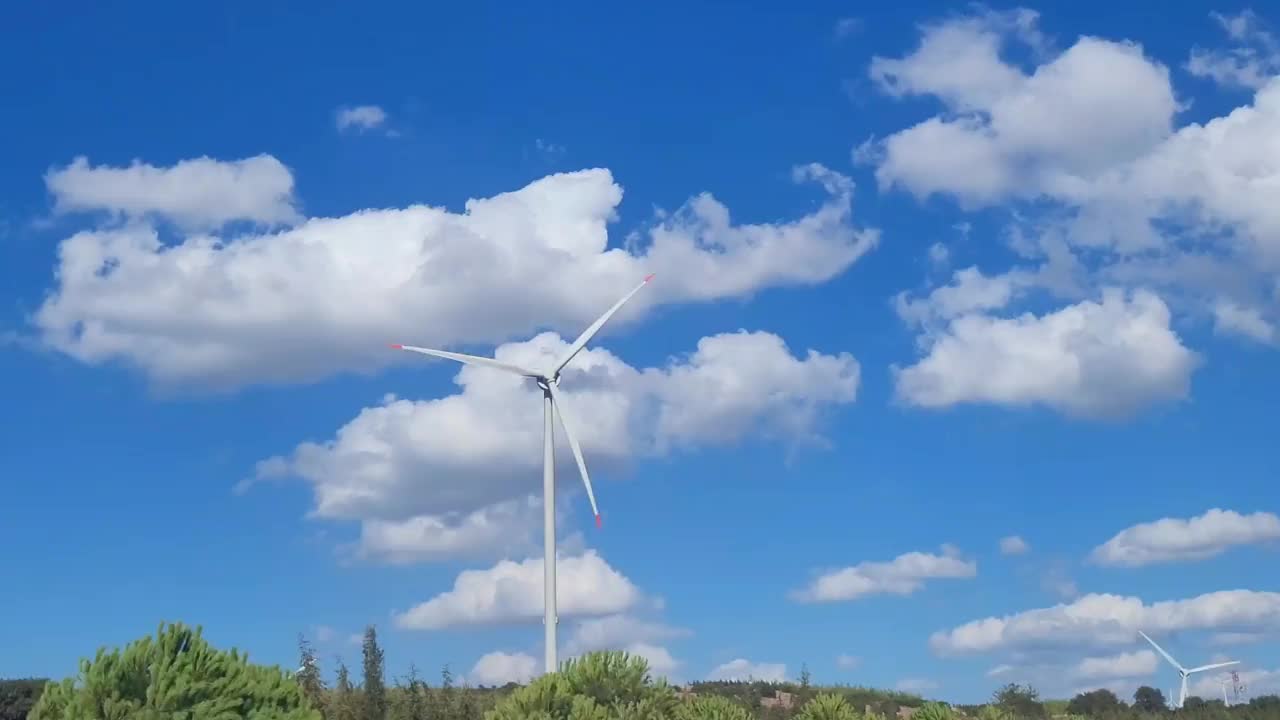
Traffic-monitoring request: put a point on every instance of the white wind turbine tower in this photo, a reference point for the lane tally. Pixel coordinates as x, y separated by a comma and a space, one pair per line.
552, 401
1185, 673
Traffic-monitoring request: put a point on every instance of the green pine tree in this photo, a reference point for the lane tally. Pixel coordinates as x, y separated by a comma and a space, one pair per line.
308, 677
343, 699
375, 689
176, 674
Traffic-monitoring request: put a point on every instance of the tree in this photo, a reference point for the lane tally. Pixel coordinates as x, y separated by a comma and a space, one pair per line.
711, 707
342, 701
994, 712
934, 711
375, 689
827, 706
18, 696
594, 686
1095, 703
308, 676
1020, 701
175, 674
1148, 699
416, 700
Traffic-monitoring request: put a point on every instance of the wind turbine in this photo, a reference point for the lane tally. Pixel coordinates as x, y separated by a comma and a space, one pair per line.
552, 401
1184, 673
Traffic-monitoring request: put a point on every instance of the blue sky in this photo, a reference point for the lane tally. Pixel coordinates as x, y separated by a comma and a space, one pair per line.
998, 273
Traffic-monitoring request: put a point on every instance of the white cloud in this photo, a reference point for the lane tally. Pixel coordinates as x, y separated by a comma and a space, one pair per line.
328, 295
1014, 134
969, 291
1251, 63
939, 255
1055, 581
1171, 540
511, 592
617, 632
360, 118
847, 26
499, 529
499, 668
1232, 318
1127, 664
848, 662
1235, 638
661, 663
438, 478
1104, 359
916, 685
742, 669
903, 575
630, 634
1109, 620
1085, 147
198, 194
1013, 545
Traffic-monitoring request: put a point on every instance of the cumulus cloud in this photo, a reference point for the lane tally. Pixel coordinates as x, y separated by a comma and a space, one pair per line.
1107, 620
1096, 359
630, 634
328, 295
1106, 189
1128, 664
360, 118
742, 669
499, 668
903, 575
1011, 133
1249, 322
1235, 638
511, 592
1014, 545
197, 194
1170, 540
617, 632
435, 478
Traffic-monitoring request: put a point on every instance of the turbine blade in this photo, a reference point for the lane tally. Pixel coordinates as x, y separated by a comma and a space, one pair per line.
558, 401
1211, 667
591, 331
1160, 650
468, 359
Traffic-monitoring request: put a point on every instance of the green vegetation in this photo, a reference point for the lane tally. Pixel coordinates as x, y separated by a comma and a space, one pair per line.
177, 675
17, 697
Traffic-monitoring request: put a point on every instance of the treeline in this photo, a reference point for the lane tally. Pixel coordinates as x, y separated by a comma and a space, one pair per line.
372, 697
18, 696
177, 673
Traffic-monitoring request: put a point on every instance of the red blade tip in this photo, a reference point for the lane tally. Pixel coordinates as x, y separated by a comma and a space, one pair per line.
599, 522
648, 277
397, 346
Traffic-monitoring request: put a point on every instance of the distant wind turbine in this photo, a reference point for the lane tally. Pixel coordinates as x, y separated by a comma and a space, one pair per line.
552, 401
1184, 673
